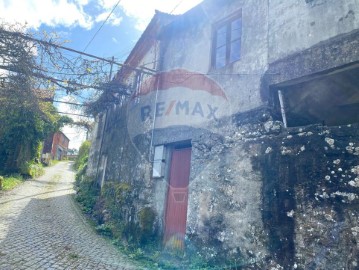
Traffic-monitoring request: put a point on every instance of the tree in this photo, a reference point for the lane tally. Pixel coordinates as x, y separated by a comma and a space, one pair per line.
26, 118
24, 123
72, 71
29, 63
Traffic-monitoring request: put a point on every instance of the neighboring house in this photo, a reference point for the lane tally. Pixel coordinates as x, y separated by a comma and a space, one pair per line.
244, 140
55, 147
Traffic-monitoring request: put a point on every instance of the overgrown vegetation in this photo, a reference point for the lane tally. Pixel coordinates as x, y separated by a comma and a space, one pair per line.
87, 190
25, 118
82, 157
87, 193
52, 162
30, 169
33, 66
24, 124
111, 211
33, 169
10, 182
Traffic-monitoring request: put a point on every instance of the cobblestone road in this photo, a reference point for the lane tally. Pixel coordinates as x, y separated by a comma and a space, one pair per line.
42, 228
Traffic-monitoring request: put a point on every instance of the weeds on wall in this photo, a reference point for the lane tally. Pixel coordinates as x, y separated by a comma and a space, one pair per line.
113, 213
87, 191
113, 217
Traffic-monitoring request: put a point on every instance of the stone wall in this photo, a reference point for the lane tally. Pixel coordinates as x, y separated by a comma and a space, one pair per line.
310, 196
265, 195
127, 200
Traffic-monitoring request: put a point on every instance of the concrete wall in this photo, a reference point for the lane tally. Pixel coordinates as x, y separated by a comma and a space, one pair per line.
190, 48
298, 24
96, 142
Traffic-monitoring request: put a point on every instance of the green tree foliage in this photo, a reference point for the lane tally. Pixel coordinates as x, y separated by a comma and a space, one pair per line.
24, 123
25, 120
31, 63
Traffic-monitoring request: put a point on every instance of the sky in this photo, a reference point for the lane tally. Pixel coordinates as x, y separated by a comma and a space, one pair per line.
78, 21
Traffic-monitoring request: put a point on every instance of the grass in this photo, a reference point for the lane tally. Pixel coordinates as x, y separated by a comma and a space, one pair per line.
53, 162
11, 182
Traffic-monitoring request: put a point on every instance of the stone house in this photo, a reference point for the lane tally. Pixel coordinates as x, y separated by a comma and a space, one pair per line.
240, 133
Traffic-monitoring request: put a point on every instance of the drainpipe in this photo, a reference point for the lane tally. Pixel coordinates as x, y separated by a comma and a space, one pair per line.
154, 118
101, 143
154, 111
282, 108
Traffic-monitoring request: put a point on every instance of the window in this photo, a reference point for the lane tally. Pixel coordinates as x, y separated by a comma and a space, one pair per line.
227, 42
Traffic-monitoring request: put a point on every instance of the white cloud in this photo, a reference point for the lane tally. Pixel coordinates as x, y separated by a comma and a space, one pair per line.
82, 2
144, 10
72, 12
107, 4
76, 135
35, 13
113, 20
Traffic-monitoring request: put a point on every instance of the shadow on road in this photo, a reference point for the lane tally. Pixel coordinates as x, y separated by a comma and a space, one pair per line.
34, 195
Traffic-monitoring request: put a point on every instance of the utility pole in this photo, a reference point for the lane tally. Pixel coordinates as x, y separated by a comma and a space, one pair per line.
103, 133
112, 62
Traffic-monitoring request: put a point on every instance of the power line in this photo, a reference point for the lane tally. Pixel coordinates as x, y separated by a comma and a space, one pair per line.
75, 114
26, 37
88, 44
64, 102
71, 103
173, 10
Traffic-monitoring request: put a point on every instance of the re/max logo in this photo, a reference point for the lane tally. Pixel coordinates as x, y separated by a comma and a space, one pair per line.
176, 107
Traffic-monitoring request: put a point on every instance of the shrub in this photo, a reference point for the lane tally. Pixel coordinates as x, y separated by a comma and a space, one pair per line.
82, 157
32, 169
87, 193
11, 182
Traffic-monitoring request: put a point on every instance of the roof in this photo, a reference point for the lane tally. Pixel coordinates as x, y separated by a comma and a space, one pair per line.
62, 134
144, 44
194, 17
182, 22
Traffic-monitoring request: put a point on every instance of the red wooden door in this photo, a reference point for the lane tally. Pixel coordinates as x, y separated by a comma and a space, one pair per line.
177, 198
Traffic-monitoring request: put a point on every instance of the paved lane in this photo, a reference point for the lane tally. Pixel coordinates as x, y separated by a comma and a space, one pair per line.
42, 228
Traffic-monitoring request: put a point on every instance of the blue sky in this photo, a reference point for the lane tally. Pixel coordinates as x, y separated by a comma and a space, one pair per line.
77, 21
111, 40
